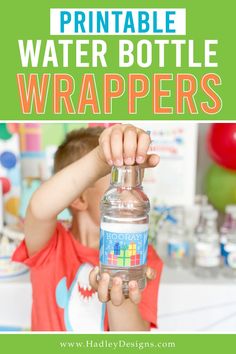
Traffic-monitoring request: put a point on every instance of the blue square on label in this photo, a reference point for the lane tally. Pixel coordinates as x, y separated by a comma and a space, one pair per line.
117, 249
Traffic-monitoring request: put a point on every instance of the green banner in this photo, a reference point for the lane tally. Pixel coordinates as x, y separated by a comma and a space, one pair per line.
122, 343
157, 73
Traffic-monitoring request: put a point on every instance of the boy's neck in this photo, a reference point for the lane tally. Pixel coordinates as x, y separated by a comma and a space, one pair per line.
85, 231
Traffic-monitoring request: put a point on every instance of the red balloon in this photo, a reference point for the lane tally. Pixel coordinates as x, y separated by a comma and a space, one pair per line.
222, 144
6, 184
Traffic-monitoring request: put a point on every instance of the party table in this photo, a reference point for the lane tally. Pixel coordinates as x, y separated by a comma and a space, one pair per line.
186, 303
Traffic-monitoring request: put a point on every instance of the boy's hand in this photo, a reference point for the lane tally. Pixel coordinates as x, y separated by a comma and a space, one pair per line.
115, 295
124, 144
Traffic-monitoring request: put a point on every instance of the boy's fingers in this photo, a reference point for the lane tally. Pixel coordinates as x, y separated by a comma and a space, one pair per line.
106, 148
130, 145
151, 273
117, 297
152, 161
126, 144
93, 278
143, 146
116, 141
134, 292
103, 287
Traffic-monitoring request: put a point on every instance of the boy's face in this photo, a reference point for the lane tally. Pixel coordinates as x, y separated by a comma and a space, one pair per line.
93, 197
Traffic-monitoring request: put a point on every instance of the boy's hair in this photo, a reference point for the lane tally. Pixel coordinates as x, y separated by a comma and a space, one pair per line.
77, 143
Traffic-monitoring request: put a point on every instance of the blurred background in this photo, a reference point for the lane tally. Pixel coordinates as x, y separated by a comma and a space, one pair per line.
192, 218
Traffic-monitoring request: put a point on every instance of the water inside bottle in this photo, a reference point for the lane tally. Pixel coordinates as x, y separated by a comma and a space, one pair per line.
124, 228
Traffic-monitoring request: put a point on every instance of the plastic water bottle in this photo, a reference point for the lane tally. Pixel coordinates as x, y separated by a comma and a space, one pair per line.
229, 250
124, 227
203, 211
177, 244
226, 227
207, 247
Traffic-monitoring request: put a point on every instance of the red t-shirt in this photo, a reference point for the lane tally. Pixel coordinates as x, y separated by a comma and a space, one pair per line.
62, 297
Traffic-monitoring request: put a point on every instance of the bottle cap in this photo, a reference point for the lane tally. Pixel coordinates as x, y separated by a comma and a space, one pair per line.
126, 176
230, 209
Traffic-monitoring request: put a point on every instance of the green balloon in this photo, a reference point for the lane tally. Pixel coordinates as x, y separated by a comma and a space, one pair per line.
220, 187
4, 133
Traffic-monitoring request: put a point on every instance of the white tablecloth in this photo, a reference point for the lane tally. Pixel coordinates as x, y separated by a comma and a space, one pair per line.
186, 303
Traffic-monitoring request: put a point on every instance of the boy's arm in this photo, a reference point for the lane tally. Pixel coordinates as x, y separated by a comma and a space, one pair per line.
126, 317
56, 194
123, 314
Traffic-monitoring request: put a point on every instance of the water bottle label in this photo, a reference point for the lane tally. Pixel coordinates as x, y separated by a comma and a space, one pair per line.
230, 247
178, 250
207, 262
126, 246
222, 248
230, 255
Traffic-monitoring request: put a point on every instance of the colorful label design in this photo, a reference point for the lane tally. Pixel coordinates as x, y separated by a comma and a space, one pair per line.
123, 249
178, 250
222, 249
230, 255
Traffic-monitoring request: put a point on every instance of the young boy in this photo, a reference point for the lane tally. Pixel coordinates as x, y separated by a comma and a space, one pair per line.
64, 263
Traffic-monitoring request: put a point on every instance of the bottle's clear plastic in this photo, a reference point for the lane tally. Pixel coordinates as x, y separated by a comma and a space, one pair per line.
229, 250
124, 227
178, 248
203, 211
201, 200
207, 248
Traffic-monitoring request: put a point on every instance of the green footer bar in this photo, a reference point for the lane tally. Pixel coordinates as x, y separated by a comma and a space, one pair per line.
120, 343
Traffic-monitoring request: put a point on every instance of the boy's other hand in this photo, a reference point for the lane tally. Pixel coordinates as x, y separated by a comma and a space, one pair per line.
115, 295
124, 144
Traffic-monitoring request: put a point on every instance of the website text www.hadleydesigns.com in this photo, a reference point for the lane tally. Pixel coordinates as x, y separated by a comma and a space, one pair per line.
93, 344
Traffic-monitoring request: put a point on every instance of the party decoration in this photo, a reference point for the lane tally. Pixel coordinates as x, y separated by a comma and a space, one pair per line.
4, 132
53, 134
8, 159
105, 125
28, 187
10, 173
14, 176
30, 137
6, 185
222, 144
220, 187
12, 206
13, 127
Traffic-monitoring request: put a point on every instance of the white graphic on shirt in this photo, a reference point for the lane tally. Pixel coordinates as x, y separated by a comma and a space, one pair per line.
83, 312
